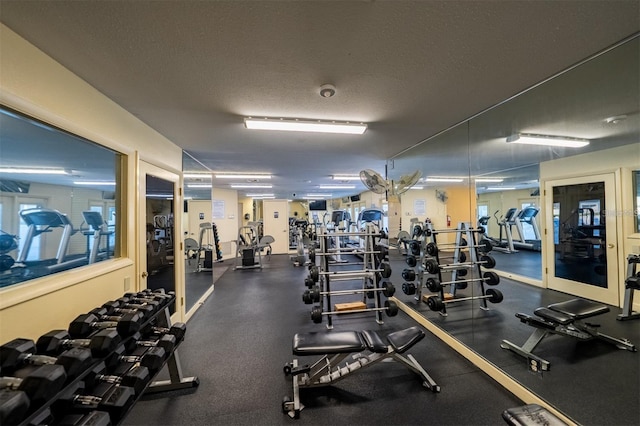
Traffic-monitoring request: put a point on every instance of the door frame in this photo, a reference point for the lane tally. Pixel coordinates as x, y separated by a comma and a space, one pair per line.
144, 169
611, 294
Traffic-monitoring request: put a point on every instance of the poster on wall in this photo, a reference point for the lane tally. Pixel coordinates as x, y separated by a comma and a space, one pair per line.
420, 207
218, 209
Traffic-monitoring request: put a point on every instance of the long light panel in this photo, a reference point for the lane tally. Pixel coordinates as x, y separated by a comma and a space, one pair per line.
547, 140
305, 125
337, 187
34, 171
251, 186
232, 176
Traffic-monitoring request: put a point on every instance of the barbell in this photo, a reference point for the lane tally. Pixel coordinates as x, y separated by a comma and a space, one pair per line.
432, 266
390, 307
434, 285
492, 295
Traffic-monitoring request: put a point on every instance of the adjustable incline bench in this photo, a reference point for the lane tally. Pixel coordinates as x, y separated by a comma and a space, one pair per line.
564, 318
336, 346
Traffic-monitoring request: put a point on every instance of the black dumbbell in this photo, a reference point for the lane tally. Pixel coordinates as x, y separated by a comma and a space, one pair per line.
14, 406
153, 358
19, 352
166, 341
179, 329
29, 392
117, 307
136, 378
408, 288
85, 324
56, 341
113, 399
146, 297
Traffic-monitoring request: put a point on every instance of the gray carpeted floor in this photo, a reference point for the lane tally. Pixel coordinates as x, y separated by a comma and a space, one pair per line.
238, 342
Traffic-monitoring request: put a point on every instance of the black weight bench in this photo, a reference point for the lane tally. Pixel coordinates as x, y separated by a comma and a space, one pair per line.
564, 318
337, 346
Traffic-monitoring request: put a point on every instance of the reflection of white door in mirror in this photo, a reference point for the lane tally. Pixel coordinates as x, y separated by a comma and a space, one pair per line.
584, 261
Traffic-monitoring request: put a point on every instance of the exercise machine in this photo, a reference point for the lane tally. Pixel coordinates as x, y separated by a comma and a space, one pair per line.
298, 228
98, 228
632, 283
337, 346
506, 244
248, 254
566, 319
526, 216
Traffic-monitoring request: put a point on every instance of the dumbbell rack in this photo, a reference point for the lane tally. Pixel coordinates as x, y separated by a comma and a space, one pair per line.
216, 243
161, 318
375, 270
472, 265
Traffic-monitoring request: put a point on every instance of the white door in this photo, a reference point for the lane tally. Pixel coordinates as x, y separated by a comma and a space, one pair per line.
159, 195
585, 255
276, 223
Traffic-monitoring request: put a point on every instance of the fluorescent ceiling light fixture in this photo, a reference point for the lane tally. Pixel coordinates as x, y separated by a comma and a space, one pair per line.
346, 177
313, 197
489, 180
337, 187
251, 186
260, 195
500, 188
531, 139
305, 125
164, 196
417, 187
318, 195
94, 182
34, 171
202, 175
232, 176
198, 185
443, 179
265, 197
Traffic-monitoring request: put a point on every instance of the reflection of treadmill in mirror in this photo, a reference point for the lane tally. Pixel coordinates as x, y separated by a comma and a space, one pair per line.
98, 229
527, 216
41, 221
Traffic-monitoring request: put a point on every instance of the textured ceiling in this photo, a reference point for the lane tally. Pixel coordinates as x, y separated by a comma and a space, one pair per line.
193, 69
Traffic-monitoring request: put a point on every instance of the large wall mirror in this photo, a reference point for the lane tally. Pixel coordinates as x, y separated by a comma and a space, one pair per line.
481, 173
58, 203
198, 236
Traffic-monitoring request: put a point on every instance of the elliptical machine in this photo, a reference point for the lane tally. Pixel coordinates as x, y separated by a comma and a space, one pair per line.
504, 223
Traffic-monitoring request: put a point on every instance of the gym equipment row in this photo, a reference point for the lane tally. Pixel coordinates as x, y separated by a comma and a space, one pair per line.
631, 284
514, 219
565, 319
94, 371
425, 254
373, 274
337, 346
249, 247
40, 222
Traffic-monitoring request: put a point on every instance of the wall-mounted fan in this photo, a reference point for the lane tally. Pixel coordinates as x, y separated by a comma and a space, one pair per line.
442, 196
373, 181
379, 185
405, 182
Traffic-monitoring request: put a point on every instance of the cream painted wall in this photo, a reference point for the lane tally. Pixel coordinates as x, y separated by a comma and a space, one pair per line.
33, 83
227, 226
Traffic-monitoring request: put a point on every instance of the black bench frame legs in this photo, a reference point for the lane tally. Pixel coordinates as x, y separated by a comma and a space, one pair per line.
176, 380
632, 283
327, 370
565, 319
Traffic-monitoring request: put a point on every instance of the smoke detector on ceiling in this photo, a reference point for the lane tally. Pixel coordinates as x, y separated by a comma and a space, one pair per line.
327, 90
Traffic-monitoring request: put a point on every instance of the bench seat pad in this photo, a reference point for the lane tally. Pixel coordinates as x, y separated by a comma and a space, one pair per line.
333, 342
404, 339
579, 308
